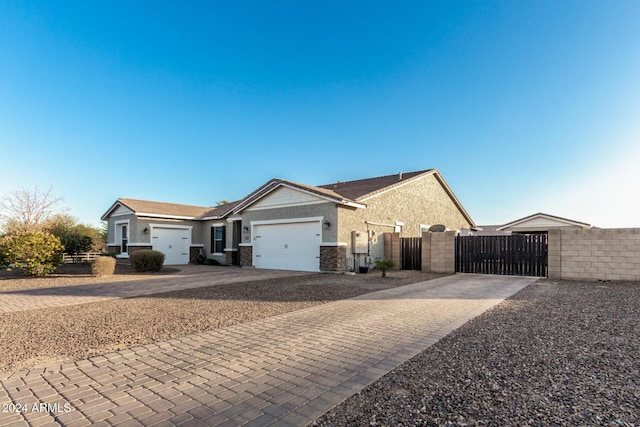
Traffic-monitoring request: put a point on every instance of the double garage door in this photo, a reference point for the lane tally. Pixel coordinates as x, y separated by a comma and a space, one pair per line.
288, 246
173, 243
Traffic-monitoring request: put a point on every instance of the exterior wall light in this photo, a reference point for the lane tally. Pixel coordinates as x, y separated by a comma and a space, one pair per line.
145, 230
326, 225
245, 229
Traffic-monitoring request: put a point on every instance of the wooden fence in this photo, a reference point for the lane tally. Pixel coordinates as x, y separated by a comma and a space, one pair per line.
80, 258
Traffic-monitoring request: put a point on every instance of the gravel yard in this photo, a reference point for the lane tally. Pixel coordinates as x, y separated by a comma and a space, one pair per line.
56, 335
556, 353
72, 274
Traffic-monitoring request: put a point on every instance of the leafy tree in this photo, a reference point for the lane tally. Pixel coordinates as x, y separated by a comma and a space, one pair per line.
71, 233
222, 202
76, 243
36, 252
27, 210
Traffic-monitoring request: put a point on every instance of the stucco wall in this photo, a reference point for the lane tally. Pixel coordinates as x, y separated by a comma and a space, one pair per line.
137, 226
422, 201
326, 210
595, 254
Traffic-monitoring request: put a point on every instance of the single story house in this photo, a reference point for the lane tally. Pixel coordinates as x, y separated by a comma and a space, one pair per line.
291, 226
539, 223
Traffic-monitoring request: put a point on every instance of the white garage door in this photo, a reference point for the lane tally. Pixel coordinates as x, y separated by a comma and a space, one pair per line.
173, 243
290, 246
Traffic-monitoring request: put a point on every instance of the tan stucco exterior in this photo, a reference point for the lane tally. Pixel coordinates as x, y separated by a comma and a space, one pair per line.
422, 201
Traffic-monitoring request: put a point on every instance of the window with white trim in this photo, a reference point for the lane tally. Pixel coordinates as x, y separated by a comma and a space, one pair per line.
218, 239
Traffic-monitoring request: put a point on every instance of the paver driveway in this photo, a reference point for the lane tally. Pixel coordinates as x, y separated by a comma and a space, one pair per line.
284, 370
190, 276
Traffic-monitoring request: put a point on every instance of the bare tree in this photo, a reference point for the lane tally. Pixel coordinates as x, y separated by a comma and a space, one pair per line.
28, 210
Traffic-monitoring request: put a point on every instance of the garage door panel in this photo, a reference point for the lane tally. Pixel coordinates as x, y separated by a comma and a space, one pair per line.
289, 246
173, 243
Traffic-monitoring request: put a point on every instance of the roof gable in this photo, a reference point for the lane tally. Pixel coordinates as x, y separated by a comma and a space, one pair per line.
286, 195
541, 221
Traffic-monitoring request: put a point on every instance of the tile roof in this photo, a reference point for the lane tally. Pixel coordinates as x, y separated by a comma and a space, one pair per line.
358, 189
162, 208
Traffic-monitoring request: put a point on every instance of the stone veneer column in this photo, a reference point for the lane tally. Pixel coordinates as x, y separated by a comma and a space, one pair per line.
246, 256
333, 258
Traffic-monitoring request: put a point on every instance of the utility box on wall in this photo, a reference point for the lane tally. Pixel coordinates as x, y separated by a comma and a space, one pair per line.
359, 242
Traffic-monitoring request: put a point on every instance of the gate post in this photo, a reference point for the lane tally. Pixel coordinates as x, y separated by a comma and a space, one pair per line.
392, 248
443, 252
426, 252
554, 254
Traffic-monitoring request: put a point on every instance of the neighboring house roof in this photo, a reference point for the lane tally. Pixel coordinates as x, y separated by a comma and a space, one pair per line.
157, 209
541, 221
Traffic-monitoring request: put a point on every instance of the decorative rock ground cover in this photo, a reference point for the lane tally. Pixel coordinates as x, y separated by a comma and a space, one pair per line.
556, 353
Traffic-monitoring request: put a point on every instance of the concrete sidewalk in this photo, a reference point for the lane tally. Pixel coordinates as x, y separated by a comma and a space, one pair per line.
284, 370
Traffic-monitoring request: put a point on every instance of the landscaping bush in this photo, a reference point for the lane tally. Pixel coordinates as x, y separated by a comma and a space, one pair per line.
211, 261
147, 260
37, 253
103, 266
384, 264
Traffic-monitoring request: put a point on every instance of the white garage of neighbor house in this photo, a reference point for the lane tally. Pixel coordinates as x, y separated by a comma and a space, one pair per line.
291, 226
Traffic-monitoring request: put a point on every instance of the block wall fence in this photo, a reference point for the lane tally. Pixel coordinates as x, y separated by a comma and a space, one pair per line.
594, 254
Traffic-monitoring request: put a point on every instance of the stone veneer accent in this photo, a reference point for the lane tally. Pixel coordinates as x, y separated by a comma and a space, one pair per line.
194, 251
228, 257
114, 249
133, 249
246, 256
333, 258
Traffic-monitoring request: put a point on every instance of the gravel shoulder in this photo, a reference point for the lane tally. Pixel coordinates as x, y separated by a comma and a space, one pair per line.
556, 353
43, 337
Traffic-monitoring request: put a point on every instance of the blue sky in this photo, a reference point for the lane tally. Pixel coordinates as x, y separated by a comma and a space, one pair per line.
524, 106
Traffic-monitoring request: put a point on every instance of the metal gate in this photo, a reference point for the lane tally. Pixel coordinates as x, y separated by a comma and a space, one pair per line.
519, 255
411, 253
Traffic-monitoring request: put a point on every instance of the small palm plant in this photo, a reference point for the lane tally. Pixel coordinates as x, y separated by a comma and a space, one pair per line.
384, 264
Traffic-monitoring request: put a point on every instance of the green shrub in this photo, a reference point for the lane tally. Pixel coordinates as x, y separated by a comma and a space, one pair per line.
384, 264
147, 260
103, 266
76, 243
36, 252
211, 261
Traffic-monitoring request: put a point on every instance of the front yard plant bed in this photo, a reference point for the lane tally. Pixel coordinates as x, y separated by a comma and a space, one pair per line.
49, 336
556, 353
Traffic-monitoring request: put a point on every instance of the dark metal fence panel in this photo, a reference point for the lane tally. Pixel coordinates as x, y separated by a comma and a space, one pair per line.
521, 255
411, 253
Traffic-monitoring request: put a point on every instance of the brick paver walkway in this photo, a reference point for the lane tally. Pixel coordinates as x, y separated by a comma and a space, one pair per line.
191, 276
283, 370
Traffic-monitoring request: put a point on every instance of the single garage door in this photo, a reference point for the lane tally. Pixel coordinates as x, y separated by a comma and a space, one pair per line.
290, 246
173, 243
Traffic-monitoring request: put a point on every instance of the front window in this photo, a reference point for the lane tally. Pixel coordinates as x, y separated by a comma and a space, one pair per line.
124, 238
217, 239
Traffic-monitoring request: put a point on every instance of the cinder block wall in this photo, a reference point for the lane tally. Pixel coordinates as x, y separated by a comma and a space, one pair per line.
438, 252
595, 254
392, 248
